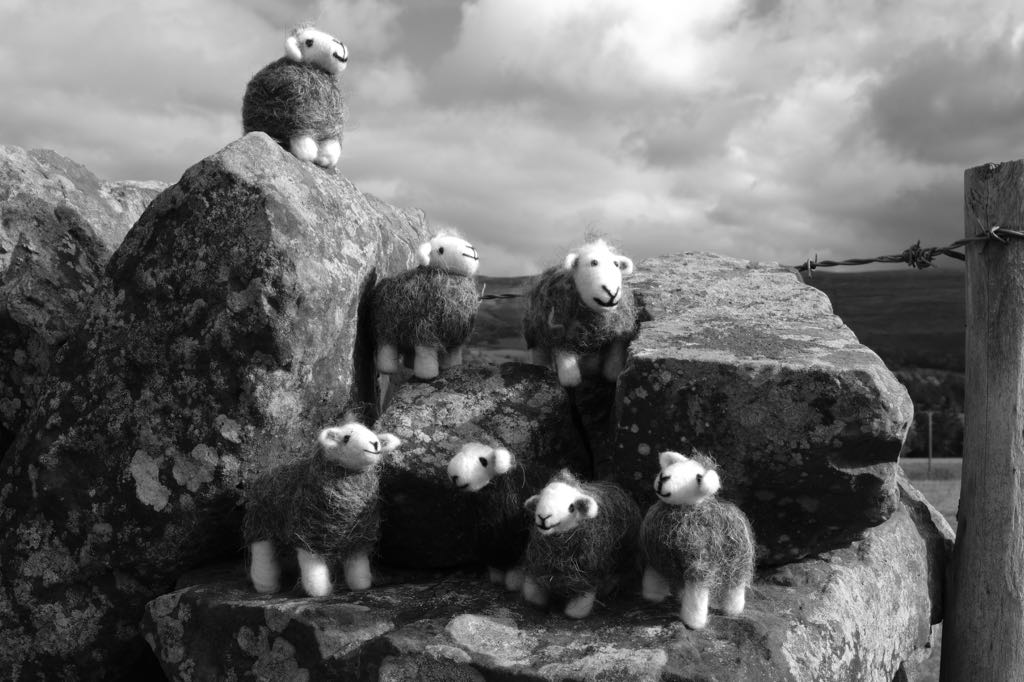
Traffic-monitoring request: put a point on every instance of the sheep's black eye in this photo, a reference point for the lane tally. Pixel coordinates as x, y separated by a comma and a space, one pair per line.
440, 249
483, 461
593, 263
700, 477
616, 263
309, 42
572, 508
345, 439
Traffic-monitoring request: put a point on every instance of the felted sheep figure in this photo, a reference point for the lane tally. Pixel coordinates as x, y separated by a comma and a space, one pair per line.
429, 310
582, 307
324, 507
582, 542
296, 99
693, 543
499, 486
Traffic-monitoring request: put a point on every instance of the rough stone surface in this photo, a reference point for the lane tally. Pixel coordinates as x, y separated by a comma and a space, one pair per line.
856, 613
222, 337
426, 521
59, 224
748, 364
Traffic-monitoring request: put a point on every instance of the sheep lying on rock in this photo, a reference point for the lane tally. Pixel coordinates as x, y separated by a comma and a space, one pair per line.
324, 507
582, 542
582, 307
499, 486
429, 310
296, 99
694, 543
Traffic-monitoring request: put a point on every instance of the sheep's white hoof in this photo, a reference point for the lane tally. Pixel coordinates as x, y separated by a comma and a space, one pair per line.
655, 587
357, 572
424, 365
694, 609
568, 367
735, 600
534, 593
514, 580
316, 576
581, 606
453, 358
495, 575
387, 359
328, 153
264, 570
303, 147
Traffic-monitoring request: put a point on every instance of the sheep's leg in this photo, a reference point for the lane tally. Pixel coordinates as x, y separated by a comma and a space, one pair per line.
303, 147
316, 576
580, 606
328, 153
735, 599
614, 360
453, 358
655, 587
534, 593
496, 575
264, 570
694, 609
424, 366
514, 579
568, 367
357, 572
387, 359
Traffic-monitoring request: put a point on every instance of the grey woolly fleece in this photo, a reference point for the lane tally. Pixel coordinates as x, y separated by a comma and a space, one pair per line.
426, 306
287, 98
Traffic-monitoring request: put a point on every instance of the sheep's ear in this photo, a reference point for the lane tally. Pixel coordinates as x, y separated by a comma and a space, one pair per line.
291, 49
423, 253
502, 461
625, 264
571, 260
531, 503
668, 458
586, 506
389, 442
328, 438
711, 482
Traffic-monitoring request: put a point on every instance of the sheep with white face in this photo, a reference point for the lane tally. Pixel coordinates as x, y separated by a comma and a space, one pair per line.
694, 543
325, 507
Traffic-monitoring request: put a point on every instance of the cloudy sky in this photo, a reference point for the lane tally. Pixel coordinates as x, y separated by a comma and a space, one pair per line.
763, 129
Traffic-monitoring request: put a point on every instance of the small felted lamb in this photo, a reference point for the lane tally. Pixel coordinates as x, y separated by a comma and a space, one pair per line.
296, 99
582, 542
582, 307
499, 486
693, 543
324, 507
430, 310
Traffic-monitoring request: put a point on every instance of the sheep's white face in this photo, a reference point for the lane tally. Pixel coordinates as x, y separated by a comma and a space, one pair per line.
560, 507
450, 253
598, 273
684, 481
317, 48
354, 446
476, 464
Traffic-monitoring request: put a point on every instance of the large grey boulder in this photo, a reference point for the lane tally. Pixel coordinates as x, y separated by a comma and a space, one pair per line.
225, 333
59, 224
859, 613
748, 364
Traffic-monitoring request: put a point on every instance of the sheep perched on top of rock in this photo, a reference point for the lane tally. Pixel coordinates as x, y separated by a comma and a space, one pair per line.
694, 543
296, 99
582, 307
499, 486
324, 507
428, 310
582, 543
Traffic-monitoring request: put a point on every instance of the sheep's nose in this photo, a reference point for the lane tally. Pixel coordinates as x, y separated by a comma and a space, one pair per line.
455, 480
376, 445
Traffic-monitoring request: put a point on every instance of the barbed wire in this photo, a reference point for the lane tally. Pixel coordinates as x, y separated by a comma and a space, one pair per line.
917, 256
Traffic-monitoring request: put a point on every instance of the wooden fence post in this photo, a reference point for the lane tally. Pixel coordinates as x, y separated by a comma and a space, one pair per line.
983, 634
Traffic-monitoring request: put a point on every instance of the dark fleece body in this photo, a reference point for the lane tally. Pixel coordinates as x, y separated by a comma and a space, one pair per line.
425, 307
595, 555
287, 98
557, 319
316, 505
504, 526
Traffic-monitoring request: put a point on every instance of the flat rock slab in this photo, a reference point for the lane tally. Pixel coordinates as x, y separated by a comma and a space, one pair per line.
426, 522
748, 364
857, 613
